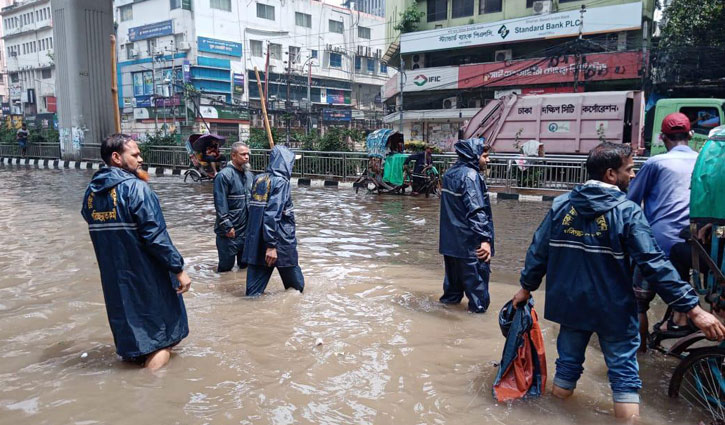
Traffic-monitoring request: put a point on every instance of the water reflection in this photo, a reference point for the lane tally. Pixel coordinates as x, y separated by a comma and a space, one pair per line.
366, 343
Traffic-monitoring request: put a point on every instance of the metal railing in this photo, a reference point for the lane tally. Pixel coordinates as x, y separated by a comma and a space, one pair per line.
512, 172
34, 150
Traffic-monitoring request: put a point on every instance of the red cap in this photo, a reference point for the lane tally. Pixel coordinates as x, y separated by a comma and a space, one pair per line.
676, 122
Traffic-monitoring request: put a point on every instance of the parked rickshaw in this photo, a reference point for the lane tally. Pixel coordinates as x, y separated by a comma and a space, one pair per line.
390, 172
204, 157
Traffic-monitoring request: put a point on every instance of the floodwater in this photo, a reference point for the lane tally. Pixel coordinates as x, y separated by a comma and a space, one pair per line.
390, 353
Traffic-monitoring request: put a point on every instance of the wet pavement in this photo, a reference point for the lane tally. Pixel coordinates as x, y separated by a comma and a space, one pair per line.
390, 352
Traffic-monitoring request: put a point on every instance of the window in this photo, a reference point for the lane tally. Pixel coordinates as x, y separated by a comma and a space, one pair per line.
221, 5
129, 51
313, 54
335, 60
437, 10
150, 46
275, 51
336, 26
303, 20
46, 74
256, 47
383, 68
491, 6
567, 1
180, 4
294, 53
462, 8
14, 77
265, 11
126, 12
363, 32
371, 65
358, 63
702, 118
51, 43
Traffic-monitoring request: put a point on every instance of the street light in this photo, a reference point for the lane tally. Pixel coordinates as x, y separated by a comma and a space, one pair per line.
309, 96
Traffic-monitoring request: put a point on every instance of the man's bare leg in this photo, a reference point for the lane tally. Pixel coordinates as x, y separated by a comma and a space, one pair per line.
627, 411
158, 359
561, 393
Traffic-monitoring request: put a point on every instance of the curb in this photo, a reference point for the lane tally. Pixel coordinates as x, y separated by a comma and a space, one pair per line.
52, 163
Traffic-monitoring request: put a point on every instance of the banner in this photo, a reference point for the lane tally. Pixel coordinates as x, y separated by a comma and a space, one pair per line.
221, 47
616, 18
557, 69
336, 115
423, 79
157, 29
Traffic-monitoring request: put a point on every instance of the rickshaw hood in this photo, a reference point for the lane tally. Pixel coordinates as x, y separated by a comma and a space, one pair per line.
281, 161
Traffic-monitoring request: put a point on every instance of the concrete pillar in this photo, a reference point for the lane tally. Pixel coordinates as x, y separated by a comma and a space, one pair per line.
81, 33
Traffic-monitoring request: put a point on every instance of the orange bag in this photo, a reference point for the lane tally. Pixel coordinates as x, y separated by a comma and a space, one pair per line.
522, 372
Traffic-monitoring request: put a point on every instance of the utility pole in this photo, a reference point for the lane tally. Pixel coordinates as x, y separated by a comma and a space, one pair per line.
402, 70
578, 55
153, 96
309, 97
287, 102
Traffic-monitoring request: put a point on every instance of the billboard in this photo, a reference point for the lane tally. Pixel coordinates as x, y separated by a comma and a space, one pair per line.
157, 29
221, 47
336, 115
615, 18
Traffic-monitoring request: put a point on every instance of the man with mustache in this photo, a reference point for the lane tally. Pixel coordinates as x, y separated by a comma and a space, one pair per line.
142, 273
232, 190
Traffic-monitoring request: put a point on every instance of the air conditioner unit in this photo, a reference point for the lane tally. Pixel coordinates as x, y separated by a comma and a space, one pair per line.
502, 55
328, 47
132, 53
417, 61
474, 103
367, 52
542, 7
450, 103
378, 53
184, 45
360, 50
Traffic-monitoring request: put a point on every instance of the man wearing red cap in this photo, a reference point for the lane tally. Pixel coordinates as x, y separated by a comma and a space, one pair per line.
663, 184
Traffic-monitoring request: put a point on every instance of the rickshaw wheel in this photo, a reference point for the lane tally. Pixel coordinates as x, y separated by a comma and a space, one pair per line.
194, 174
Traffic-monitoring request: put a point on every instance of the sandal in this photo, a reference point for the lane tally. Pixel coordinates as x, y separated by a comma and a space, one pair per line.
674, 330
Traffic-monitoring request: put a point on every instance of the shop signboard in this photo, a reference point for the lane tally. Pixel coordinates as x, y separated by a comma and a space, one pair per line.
157, 29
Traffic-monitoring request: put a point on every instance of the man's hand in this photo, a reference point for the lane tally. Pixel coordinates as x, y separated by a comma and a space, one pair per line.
483, 253
707, 323
184, 282
231, 234
521, 297
270, 256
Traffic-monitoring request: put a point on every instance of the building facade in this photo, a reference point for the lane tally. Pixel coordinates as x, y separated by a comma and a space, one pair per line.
4, 90
372, 7
28, 54
192, 62
466, 52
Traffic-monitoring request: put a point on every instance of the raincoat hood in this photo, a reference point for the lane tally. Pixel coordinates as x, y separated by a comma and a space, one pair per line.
281, 161
469, 150
592, 200
109, 177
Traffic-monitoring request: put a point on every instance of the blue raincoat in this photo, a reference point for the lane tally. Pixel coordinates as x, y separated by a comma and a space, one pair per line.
586, 246
271, 213
465, 223
466, 218
232, 191
138, 263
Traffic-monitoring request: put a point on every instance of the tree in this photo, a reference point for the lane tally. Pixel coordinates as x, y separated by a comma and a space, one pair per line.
409, 19
692, 43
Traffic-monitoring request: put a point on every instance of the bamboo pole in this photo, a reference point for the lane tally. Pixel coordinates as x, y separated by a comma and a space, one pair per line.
264, 110
114, 86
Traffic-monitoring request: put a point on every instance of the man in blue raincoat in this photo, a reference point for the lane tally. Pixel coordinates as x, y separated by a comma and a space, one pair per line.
466, 227
142, 273
586, 246
271, 240
232, 190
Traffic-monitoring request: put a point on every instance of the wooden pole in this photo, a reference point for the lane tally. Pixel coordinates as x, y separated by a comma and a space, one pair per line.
264, 109
114, 86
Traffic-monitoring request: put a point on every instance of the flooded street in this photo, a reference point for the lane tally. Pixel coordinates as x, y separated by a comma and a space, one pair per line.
390, 352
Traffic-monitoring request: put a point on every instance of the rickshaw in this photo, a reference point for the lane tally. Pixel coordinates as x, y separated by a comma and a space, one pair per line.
699, 378
387, 171
200, 168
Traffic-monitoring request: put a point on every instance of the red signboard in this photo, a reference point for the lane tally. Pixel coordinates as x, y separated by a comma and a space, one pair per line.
556, 69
